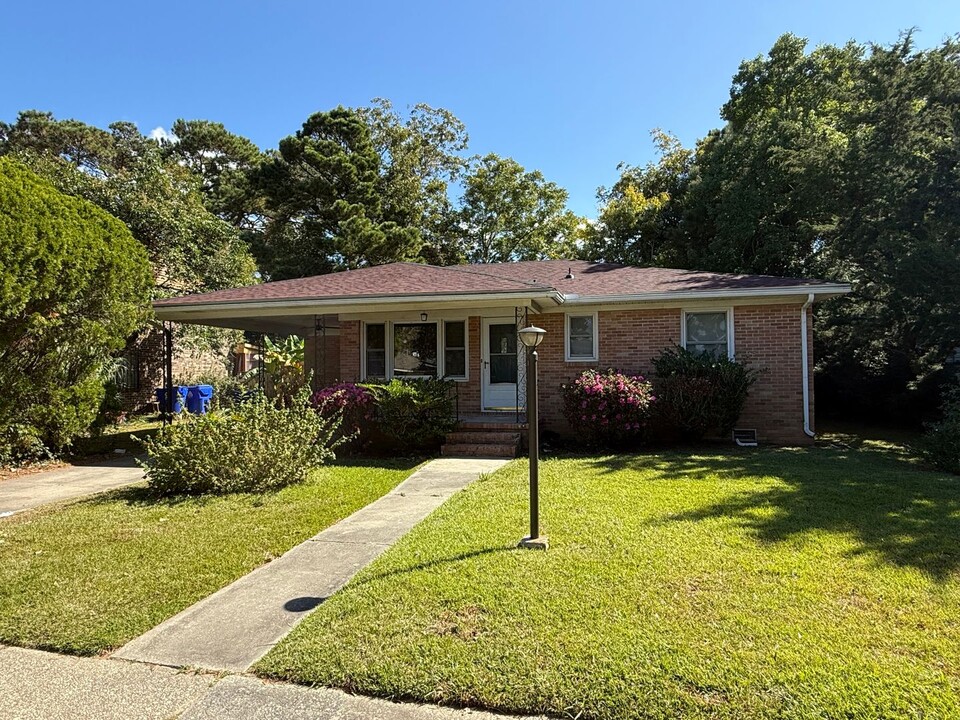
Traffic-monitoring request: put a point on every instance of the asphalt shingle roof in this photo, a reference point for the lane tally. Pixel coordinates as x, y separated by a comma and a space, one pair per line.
410, 279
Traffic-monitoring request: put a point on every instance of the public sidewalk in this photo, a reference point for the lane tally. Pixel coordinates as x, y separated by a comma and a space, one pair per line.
49, 486
35, 684
236, 626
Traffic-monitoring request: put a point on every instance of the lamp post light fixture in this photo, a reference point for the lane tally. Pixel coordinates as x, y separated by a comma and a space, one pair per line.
531, 337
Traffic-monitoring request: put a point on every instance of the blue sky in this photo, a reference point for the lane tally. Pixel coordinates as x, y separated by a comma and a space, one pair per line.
568, 88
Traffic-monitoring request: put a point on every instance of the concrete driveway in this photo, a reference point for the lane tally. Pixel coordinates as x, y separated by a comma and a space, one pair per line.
29, 491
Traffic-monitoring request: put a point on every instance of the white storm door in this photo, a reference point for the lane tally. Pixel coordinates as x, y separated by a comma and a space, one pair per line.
500, 355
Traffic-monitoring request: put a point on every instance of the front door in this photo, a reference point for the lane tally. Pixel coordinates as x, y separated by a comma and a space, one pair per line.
499, 363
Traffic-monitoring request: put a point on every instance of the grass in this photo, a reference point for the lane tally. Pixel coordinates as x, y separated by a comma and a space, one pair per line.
89, 576
820, 583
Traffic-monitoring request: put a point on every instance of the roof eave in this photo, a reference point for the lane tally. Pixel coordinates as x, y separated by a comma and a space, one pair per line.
821, 292
182, 311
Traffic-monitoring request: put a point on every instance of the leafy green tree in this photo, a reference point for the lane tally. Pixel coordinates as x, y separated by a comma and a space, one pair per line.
225, 162
507, 214
898, 236
323, 203
640, 219
765, 194
420, 158
74, 284
159, 198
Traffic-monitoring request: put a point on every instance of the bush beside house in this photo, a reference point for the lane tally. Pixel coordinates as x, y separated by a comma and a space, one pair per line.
700, 393
410, 415
609, 409
74, 284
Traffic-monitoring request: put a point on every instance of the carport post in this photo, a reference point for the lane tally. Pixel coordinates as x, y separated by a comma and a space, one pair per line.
168, 403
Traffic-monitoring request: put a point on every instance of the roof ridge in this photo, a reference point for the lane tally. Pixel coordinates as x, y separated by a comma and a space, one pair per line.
468, 269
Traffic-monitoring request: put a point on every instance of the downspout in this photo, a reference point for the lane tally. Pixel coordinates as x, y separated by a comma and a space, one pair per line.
805, 366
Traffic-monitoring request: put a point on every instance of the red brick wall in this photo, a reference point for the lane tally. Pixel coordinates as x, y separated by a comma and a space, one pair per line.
349, 350
469, 391
147, 348
768, 338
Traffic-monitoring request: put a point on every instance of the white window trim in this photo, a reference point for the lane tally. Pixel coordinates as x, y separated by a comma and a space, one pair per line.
390, 350
596, 337
731, 347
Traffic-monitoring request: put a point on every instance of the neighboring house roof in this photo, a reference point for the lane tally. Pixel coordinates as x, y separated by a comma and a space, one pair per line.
543, 283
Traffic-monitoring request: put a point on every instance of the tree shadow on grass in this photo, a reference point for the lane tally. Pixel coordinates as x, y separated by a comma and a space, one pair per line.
896, 511
431, 564
144, 496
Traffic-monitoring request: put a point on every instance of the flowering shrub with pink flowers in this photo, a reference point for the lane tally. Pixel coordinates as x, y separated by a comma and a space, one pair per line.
353, 402
608, 408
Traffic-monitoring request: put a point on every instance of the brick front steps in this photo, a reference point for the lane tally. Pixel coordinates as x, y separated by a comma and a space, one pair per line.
483, 439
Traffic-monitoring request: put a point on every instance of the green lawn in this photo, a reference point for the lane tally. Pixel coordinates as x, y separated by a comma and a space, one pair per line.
821, 583
89, 576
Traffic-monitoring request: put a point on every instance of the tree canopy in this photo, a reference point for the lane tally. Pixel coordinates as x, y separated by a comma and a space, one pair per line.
508, 214
324, 207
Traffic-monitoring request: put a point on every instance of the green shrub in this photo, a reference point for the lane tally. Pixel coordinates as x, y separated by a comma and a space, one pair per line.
74, 284
940, 444
416, 412
254, 447
20, 444
699, 393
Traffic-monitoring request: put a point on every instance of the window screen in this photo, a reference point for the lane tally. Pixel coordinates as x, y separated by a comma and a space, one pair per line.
414, 350
455, 349
376, 351
706, 332
581, 336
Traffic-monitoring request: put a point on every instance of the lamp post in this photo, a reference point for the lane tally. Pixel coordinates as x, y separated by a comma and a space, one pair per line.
531, 337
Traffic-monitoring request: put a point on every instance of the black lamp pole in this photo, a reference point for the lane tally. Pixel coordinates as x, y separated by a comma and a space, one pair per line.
531, 337
533, 435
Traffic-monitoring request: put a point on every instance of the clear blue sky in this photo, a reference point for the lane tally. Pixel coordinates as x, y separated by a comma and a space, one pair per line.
568, 88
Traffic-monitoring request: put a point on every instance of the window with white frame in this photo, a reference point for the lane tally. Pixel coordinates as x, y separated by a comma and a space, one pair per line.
581, 337
455, 349
375, 351
415, 350
709, 331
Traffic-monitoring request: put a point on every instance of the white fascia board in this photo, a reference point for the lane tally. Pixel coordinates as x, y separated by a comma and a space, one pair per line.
190, 312
821, 292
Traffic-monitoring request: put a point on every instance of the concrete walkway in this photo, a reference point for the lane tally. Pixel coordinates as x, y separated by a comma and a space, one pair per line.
36, 684
236, 626
30, 491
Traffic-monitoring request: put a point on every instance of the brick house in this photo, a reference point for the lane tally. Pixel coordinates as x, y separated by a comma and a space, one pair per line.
412, 320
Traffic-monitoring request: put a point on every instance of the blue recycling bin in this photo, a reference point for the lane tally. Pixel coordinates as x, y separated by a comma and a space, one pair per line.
199, 398
179, 399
